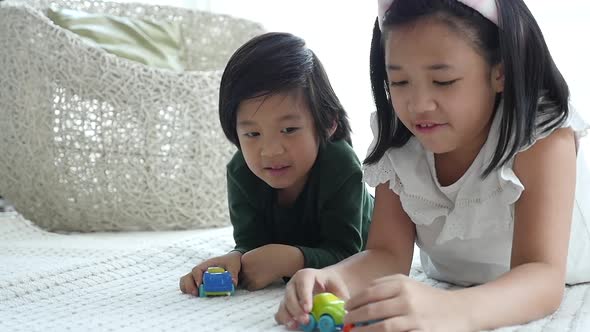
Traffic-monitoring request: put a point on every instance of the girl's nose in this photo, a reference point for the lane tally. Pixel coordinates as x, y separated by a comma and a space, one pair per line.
421, 101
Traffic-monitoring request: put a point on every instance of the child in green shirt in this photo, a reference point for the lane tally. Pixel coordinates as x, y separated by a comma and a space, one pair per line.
295, 190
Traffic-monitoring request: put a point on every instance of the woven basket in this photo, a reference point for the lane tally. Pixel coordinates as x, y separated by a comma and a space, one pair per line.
93, 142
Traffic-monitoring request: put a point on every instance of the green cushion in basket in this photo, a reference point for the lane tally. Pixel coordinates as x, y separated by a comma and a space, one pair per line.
156, 44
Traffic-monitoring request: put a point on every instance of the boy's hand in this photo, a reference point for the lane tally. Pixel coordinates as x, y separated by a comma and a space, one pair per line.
190, 283
263, 265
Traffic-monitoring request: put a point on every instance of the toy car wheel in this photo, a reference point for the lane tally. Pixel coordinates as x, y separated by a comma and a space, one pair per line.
202, 291
326, 324
310, 326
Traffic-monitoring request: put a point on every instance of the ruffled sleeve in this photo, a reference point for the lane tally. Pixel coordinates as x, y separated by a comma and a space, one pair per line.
481, 207
575, 121
383, 170
409, 177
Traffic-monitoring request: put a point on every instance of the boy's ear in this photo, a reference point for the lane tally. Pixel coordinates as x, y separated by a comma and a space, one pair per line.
498, 77
332, 130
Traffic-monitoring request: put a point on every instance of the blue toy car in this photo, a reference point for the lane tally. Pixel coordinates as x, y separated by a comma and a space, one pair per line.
216, 282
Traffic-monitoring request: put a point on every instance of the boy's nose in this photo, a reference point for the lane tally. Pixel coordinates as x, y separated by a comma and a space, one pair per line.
271, 148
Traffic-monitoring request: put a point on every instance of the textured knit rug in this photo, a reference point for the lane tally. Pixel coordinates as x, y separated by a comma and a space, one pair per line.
129, 282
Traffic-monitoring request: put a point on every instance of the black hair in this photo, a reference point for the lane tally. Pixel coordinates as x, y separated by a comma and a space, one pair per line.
535, 94
277, 62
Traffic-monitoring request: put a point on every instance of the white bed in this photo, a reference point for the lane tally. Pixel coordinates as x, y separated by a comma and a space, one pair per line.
129, 281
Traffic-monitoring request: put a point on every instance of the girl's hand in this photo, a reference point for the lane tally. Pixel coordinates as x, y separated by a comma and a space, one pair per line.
263, 265
297, 302
190, 283
405, 304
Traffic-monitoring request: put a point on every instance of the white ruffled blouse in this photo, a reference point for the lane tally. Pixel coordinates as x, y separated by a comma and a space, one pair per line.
464, 231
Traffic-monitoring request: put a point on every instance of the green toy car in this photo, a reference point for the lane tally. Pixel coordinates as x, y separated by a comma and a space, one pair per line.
327, 314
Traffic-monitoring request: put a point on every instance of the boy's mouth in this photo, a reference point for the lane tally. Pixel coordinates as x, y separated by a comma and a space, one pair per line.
276, 167
277, 170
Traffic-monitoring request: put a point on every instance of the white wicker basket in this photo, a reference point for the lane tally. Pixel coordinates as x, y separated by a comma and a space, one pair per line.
93, 142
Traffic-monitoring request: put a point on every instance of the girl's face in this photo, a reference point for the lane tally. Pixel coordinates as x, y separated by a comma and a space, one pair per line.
441, 88
278, 138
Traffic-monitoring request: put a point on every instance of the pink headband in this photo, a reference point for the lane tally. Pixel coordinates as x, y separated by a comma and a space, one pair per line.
487, 8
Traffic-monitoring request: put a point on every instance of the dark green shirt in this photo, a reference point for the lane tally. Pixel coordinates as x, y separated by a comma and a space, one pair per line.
329, 220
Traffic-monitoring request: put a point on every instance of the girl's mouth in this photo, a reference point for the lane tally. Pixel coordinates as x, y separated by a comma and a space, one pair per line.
428, 127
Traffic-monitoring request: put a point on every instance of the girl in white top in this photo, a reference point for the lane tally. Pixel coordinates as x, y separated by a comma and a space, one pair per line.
476, 160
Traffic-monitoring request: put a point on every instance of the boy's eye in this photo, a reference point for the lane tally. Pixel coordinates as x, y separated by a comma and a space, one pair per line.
289, 130
252, 134
445, 83
397, 83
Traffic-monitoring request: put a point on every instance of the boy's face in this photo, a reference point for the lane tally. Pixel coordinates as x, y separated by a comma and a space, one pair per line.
278, 138
441, 88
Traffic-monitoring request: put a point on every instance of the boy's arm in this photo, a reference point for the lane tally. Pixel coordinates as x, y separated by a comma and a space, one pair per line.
249, 230
534, 286
340, 224
263, 265
341, 230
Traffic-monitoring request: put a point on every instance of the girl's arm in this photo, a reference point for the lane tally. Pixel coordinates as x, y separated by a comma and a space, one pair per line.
390, 245
534, 286
389, 250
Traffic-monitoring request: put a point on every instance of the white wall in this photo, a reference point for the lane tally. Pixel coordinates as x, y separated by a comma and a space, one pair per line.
340, 32
566, 29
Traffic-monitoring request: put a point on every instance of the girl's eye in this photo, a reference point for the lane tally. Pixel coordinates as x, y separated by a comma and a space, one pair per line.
445, 83
397, 83
289, 130
252, 134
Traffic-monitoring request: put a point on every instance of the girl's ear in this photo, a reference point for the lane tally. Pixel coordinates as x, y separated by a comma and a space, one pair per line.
498, 77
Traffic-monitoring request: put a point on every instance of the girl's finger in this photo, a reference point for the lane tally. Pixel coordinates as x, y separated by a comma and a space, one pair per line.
401, 324
385, 309
338, 288
282, 316
304, 286
378, 291
292, 303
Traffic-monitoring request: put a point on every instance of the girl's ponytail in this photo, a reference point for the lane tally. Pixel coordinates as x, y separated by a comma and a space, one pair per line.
535, 93
388, 124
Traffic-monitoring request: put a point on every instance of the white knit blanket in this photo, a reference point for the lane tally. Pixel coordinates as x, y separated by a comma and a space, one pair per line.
129, 281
